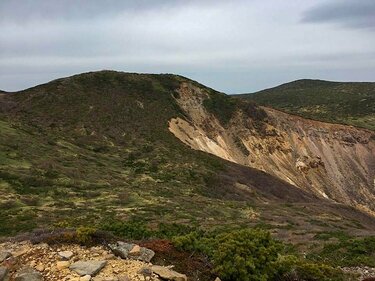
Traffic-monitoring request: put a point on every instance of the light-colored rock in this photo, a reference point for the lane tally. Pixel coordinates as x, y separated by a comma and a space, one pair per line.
62, 264
168, 274
85, 278
3, 273
21, 251
217, 279
123, 278
109, 257
28, 274
4, 255
88, 267
42, 246
65, 255
40, 267
135, 251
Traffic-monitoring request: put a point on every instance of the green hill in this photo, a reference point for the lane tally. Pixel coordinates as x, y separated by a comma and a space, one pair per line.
351, 103
94, 150
96, 147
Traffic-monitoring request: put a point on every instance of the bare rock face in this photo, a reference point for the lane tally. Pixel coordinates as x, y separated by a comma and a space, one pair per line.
330, 161
88, 267
131, 251
168, 274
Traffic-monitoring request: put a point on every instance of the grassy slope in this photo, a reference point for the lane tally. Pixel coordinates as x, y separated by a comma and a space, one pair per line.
338, 102
94, 147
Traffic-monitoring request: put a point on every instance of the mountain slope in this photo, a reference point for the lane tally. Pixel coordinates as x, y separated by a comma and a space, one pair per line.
331, 161
98, 147
351, 103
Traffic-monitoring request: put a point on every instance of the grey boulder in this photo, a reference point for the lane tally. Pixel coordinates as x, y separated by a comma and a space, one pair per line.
3, 273
131, 251
88, 267
28, 274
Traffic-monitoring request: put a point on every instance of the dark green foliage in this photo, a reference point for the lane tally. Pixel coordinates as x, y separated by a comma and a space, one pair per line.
252, 254
245, 255
295, 268
347, 252
337, 102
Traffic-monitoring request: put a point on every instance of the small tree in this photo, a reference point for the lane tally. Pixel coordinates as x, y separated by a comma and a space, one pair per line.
246, 255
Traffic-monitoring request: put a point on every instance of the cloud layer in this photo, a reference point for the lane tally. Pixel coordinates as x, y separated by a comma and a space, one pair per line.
232, 46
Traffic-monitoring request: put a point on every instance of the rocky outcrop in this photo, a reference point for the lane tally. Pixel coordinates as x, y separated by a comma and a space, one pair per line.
331, 161
133, 251
70, 262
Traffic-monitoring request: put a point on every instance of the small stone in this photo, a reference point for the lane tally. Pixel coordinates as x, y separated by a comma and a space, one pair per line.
42, 246
123, 278
109, 257
32, 263
62, 264
40, 267
66, 255
168, 274
85, 278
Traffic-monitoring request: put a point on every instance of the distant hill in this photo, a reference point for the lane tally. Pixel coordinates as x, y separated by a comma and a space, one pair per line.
351, 103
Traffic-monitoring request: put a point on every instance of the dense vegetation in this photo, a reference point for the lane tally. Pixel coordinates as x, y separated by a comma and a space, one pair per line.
336, 102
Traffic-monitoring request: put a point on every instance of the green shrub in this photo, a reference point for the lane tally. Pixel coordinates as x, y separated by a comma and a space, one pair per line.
295, 268
84, 234
245, 255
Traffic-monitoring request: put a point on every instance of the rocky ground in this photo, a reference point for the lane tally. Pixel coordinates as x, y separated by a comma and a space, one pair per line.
23, 261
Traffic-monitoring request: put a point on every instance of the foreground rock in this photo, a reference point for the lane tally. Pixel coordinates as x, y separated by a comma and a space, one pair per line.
131, 251
28, 274
3, 273
66, 255
47, 260
168, 274
88, 267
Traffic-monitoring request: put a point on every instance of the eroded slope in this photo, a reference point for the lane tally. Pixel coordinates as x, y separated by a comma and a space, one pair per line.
336, 162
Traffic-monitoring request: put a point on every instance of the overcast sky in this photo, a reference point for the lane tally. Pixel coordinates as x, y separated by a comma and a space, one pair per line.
232, 46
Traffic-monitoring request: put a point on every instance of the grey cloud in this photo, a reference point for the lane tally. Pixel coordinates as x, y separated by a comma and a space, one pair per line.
25, 10
232, 46
350, 13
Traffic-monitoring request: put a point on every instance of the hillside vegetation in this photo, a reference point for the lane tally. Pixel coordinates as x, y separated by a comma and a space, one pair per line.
350, 103
93, 152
